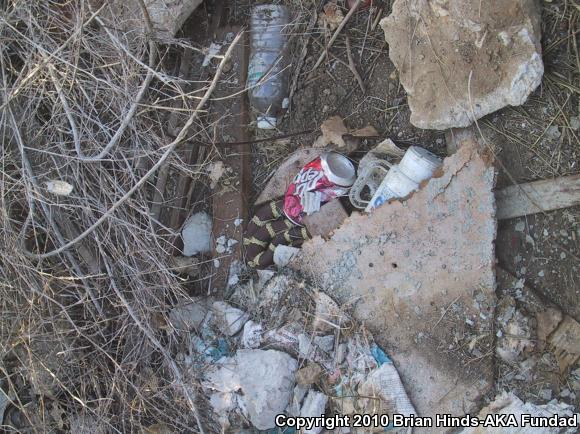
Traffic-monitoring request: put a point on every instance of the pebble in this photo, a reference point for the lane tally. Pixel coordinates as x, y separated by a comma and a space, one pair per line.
541, 273
562, 255
546, 394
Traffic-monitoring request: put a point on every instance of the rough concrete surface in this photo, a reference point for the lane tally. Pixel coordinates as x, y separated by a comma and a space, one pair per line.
167, 16
420, 275
460, 58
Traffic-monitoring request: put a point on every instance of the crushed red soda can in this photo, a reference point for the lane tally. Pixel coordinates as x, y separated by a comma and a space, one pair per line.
326, 177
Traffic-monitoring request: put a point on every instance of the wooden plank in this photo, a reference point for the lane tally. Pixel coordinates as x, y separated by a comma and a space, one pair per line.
231, 196
538, 196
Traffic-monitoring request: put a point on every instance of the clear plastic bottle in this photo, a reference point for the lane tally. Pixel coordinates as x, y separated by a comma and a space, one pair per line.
268, 64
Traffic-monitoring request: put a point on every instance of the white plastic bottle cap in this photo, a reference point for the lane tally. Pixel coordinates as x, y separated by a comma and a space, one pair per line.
338, 168
266, 122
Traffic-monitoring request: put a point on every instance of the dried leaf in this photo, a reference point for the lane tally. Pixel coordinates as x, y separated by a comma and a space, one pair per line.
368, 131
332, 131
388, 147
331, 15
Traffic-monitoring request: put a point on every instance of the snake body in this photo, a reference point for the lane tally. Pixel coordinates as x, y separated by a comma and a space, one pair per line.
267, 229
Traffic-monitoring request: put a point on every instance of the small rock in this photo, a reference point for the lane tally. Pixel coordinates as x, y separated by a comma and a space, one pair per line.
314, 405
520, 226
296, 402
252, 335
189, 316
309, 374
562, 255
284, 254
325, 343
229, 319
546, 394
481, 83
541, 273
553, 132
575, 122
196, 234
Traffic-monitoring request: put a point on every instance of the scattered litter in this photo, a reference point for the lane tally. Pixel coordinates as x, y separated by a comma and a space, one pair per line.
330, 176
384, 383
263, 382
196, 234
252, 335
416, 166
212, 52
267, 71
230, 320
238, 222
313, 406
510, 405
59, 188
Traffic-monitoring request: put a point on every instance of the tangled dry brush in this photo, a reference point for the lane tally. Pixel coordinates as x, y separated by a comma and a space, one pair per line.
84, 278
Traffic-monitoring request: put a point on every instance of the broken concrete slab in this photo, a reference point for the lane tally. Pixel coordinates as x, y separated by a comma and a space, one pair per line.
331, 215
491, 57
167, 16
414, 268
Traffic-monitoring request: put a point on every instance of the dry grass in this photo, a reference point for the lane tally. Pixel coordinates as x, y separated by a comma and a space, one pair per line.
85, 281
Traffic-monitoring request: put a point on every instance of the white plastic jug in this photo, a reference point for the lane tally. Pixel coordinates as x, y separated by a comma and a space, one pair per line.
417, 165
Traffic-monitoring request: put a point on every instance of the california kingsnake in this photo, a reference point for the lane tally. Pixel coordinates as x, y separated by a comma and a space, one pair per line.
267, 229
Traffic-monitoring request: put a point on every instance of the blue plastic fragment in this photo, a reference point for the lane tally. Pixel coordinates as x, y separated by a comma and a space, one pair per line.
379, 355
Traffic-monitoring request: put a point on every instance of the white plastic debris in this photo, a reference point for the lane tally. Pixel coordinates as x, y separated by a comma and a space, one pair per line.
59, 188
314, 405
196, 234
384, 383
252, 335
510, 405
263, 381
229, 319
284, 254
212, 52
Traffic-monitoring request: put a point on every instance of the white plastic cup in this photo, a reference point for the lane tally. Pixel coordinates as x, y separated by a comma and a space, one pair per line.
419, 164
